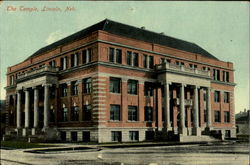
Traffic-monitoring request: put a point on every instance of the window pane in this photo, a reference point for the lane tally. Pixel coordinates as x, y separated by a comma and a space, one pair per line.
145, 61
132, 113
132, 87
111, 54
114, 112
118, 56
151, 62
114, 85
135, 59
129, 54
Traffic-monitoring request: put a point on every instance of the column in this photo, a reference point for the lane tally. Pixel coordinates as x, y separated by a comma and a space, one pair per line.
182, 110
167, 124
46, 106
147, 60
209, 123
18, 116
196, 112
87, 56
36, 111
27, 108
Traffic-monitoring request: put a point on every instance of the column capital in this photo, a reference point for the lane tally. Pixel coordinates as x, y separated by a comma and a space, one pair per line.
35, 87
124, 79
25, 90
166, 83
47, 85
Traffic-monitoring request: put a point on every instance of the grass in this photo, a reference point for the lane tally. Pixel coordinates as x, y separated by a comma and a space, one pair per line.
23, 145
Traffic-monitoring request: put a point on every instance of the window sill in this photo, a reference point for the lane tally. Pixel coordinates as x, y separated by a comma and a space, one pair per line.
115, 121
115, 93
132, 94
133, 121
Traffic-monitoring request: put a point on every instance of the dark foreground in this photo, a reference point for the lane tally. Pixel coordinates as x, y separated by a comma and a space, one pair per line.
194, 154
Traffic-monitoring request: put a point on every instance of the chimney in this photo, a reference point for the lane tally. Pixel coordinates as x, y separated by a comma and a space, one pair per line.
162, 33
143, 27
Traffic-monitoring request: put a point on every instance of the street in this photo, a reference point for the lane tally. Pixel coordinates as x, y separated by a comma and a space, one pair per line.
234, 154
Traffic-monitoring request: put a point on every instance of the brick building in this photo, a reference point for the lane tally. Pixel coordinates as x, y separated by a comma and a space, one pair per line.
115, 82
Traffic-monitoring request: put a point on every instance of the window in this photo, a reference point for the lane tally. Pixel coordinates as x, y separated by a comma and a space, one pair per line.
132, 113
225, 76
74, 88
226, 97
135, 59
129, 57
216, 96
75, 113
115, 112
226, 117
63, 90
87, 85
132, 87
74, 59
148, 113
86, 136
145, 63
216, 74
148, 89
132, 58
86, 55
148, 61
115, 55
217, 116
63, 63
177, 62
133, 135
111, 55
116, 136
118, 56
151, 62
114, 85
65, 114
52, 63
73, 136
87, 112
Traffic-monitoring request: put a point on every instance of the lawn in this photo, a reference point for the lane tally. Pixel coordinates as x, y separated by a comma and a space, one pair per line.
23, 145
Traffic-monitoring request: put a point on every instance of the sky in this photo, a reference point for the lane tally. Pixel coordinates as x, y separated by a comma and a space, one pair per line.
221, 28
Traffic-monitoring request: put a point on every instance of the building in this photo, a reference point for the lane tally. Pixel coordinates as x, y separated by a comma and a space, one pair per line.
115, 82
243, 123
2, 117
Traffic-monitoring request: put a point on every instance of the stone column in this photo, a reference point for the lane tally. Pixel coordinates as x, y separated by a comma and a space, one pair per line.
196, 112
167, 124
182, 110
27, 113
87, 56
27, 108
36, 113
46, 106
209, 123
147, 60
18, 116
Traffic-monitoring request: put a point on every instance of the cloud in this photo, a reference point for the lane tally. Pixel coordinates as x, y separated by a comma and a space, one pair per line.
55, 36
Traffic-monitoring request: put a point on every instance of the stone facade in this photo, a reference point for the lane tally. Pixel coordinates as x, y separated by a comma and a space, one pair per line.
105, 87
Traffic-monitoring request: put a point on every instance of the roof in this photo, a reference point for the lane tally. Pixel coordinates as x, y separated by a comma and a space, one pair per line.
129, 32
